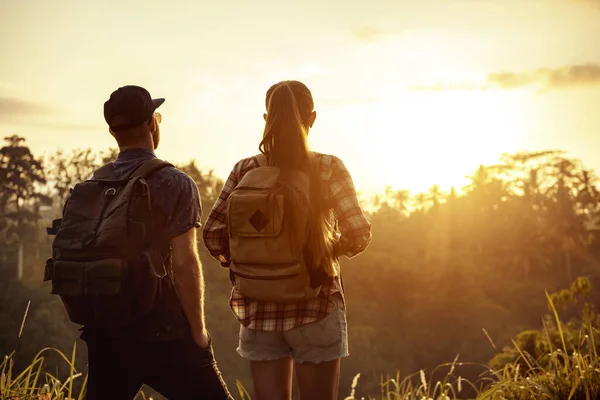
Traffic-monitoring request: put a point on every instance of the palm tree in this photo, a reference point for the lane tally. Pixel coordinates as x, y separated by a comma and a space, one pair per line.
435, 195
478, 179
587, 191
401, 200
421, 202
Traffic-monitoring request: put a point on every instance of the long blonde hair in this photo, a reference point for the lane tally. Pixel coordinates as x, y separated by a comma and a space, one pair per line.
289, 107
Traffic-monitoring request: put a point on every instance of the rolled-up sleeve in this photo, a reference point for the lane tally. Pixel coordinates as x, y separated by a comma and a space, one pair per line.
215, 236
354, 227
184, 207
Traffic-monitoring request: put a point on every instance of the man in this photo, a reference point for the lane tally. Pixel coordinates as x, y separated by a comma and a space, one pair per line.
170, 349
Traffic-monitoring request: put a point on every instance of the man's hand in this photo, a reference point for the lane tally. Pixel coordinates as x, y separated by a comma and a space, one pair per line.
202, 339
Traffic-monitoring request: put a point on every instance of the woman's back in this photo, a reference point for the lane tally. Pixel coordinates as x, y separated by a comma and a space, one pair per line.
338, 192
311, 332
354, 232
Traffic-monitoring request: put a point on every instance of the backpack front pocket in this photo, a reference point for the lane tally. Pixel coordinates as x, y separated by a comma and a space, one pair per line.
255, 214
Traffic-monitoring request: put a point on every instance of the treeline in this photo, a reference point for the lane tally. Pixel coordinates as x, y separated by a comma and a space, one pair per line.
446, 274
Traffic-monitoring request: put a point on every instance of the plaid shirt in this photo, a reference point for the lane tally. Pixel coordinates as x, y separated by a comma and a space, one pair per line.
354, 237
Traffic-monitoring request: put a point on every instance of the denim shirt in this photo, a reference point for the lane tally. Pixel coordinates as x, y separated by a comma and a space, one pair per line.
176, 196
172, 191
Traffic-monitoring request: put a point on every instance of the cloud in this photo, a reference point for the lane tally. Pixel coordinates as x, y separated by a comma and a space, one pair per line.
14, 111
6, 87
11, 107
574, 75
543, 78
453, 87
55, 125
595, 3
62, 126
368, 33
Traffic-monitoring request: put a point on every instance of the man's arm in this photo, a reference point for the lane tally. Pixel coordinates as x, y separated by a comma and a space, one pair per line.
189, 283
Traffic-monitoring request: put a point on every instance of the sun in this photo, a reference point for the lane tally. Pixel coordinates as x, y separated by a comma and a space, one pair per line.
413, 140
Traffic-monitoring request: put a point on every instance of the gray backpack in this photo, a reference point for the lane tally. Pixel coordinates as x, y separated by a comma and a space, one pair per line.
106, 264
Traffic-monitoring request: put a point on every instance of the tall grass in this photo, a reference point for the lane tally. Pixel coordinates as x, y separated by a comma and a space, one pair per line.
569, 371
419, 386
560, 374
566, 367
36, 383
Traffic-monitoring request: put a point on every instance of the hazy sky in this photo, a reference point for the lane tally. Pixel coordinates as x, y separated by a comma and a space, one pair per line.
408, 93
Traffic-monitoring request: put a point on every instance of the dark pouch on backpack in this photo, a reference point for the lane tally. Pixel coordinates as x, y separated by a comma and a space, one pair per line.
101, 294
105, 270
86, 286
76, 278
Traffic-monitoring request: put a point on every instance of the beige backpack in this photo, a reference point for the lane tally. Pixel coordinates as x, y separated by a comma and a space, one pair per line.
267, 260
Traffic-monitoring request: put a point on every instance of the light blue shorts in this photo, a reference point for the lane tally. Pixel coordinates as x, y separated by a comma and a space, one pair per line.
320, 341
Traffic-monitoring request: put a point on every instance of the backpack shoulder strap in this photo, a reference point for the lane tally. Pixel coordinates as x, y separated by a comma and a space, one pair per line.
147, 168
105, 173
262, 160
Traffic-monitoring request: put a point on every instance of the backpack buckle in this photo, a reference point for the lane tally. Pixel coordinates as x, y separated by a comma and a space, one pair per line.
48, 270
53, 230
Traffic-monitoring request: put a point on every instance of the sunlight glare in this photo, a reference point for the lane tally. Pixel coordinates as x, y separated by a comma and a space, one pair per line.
418, 139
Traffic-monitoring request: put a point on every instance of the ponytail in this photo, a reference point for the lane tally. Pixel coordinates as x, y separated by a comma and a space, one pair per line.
289, 105
284, 138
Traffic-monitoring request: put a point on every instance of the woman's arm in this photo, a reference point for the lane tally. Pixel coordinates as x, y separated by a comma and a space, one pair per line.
214, 234
354, 227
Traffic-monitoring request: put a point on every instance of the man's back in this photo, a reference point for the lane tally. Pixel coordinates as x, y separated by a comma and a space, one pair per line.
175, 203
172, 191
169, 349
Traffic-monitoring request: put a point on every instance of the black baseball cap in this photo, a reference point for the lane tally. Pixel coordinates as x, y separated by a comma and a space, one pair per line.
129, 106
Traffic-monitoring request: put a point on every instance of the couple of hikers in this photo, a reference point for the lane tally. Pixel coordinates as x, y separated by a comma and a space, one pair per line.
125, 259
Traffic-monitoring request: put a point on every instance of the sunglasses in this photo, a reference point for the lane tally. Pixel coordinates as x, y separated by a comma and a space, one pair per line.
158, 117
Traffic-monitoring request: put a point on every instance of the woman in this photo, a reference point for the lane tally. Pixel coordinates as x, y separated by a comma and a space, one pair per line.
311, 333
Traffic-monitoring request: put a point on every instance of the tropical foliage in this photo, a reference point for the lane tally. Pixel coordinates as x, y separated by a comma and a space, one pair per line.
462, 272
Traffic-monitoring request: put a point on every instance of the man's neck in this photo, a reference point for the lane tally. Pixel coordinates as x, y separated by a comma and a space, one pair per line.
131, 153
144, 146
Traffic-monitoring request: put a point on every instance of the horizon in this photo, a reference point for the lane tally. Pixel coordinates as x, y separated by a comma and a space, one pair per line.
372, 200
408, 94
